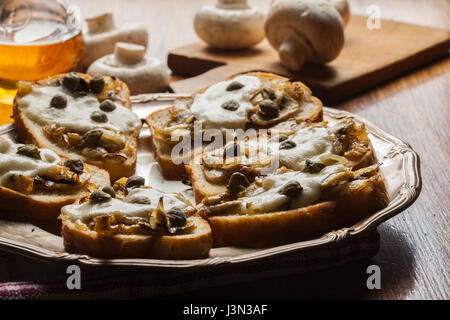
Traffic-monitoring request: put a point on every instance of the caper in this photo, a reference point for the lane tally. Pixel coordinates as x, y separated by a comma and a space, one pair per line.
269, 109
107, 106
237, 183
29, 150
282, 137
176, 217
71, 82
97, 84
314, 167
287, 144
141, 200
232, 150
99, 196
76, 165
234, 85
135, 182
291, 189
58, 102
98, 116
268, 93
230, 105
92, 137
109, 190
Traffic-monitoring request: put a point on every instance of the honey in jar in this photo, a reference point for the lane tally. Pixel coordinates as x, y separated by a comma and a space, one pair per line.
38, 38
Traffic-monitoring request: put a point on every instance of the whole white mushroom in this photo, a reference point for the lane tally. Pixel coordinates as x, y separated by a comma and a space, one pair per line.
142, 74
101, 35
230, 24
304, 30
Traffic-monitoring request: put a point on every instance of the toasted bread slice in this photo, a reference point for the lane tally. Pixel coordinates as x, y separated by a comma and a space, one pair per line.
135, 221
346, 203
64, 131
293, 100
41, 197
265, 230
355, 150
172, 167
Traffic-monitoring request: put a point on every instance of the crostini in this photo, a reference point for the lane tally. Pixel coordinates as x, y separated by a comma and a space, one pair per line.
83, 117
131, 220
36, 183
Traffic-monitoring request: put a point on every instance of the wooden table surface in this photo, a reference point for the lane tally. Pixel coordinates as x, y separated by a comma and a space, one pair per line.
414, 255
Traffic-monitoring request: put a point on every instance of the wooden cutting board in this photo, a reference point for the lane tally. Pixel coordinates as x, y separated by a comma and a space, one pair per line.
369, 57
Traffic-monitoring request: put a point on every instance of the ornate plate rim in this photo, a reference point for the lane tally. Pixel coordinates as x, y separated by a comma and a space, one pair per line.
406, 195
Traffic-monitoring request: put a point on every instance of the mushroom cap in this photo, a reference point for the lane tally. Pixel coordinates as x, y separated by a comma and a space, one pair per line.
148, 76
127, 53
229, 28
101, 23
101, 36
313, 27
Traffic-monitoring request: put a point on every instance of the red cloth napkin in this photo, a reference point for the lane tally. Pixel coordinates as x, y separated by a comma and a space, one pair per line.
24, 278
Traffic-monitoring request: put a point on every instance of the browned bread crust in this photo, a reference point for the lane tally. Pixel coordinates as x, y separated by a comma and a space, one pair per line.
46, 207
203, 188
311, 110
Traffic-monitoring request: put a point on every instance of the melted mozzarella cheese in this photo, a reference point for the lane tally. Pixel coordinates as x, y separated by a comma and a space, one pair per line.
268, 199
207, 106
312, 143
76, 116
126, 207
13, 163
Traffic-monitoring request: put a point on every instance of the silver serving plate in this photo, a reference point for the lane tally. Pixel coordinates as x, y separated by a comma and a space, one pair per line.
400, 167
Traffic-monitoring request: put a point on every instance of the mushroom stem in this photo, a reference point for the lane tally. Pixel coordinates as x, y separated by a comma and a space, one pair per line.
292, 52
102, 23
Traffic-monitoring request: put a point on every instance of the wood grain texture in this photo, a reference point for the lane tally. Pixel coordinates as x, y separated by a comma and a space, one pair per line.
369, 57
414, 255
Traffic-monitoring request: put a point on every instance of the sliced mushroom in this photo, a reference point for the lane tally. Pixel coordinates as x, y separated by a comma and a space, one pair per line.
20, 183
296, 29
288, 107
230, 24
222, 209
214, 175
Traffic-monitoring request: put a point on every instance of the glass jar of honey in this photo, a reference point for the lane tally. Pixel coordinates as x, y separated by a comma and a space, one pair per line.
38, 38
